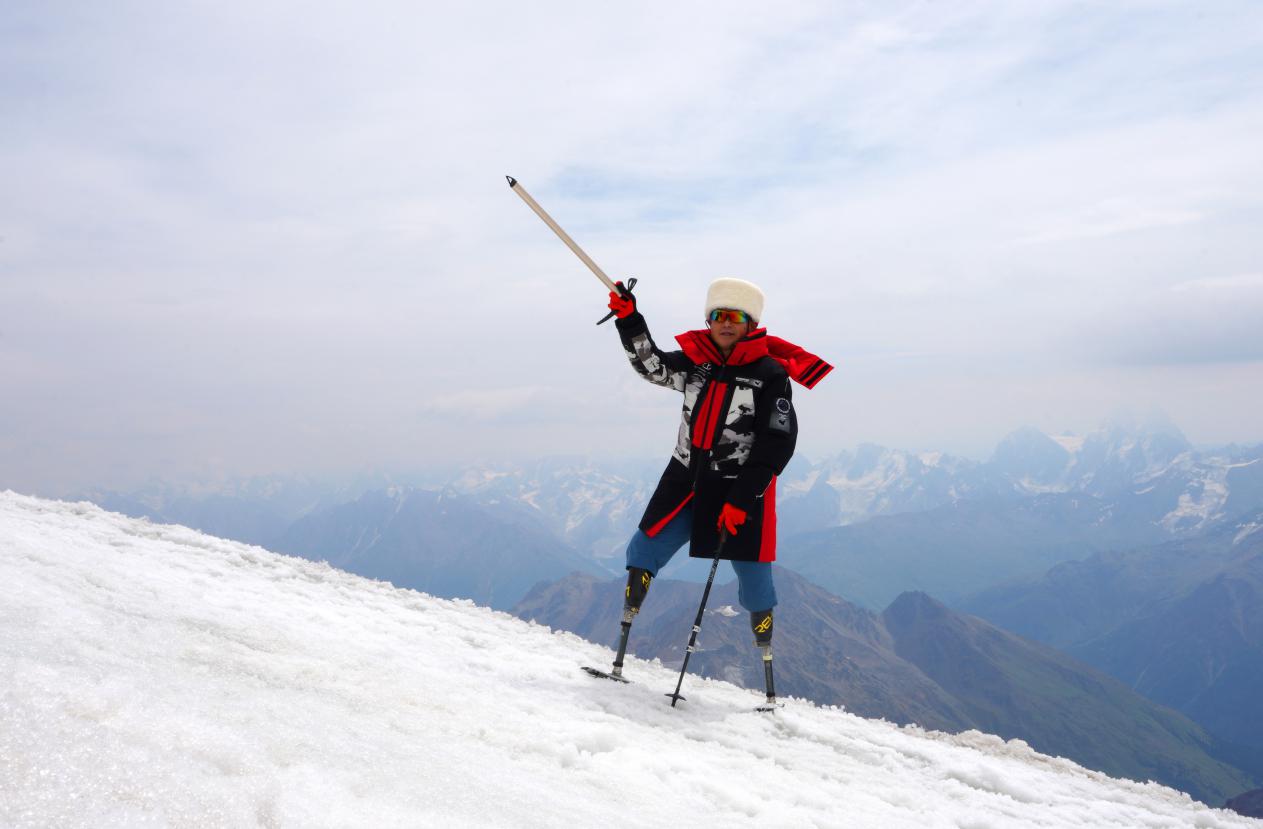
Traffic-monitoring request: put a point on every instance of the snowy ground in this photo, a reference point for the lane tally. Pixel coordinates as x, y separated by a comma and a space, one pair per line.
155, 676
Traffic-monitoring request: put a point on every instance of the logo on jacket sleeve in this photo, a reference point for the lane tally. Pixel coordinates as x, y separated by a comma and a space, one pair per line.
779, 421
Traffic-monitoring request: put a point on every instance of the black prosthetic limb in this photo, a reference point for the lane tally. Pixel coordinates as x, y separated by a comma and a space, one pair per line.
761, 625
637, 587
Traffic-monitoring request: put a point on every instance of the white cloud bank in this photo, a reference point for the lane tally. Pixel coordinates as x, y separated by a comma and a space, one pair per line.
279, 236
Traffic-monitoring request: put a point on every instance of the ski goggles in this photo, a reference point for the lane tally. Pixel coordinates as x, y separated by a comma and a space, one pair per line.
729, 315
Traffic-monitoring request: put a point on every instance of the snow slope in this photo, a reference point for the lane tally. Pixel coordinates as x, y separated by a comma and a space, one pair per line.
156, 676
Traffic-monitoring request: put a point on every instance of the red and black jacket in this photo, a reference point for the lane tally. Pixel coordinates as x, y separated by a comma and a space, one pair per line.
737, 431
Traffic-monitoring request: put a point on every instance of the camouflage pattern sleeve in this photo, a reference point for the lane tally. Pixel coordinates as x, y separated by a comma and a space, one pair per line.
662, 368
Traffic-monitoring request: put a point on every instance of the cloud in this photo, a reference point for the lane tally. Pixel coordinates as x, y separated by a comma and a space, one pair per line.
490, 405
1241, 282
223, 219
1110, 218
1210, 320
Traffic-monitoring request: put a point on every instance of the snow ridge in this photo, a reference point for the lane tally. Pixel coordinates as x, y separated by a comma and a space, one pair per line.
159, 676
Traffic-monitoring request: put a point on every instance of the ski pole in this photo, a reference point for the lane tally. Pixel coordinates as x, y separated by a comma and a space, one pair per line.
561, 234
697, 623
570, 243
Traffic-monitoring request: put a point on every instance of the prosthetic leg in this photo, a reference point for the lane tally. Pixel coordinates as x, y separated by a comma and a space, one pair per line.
637, 587
761, 625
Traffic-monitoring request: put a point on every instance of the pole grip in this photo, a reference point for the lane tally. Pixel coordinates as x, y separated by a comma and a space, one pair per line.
625, 291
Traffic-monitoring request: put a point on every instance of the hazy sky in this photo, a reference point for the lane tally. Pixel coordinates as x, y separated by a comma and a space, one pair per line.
276, 237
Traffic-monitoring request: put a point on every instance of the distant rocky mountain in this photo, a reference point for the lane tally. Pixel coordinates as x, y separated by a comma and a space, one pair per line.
885, 521
871, 481
593, 507
952, 550
255, 510
1201, 654
1118, 455
826, 648
1015, 687
1077, 601
1180, 622
1248, 803
916, 662
596, 505
1146, 473
443, 544
1147, 470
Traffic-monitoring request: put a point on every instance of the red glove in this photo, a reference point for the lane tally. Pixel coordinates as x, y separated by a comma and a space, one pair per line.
730, 518
623, 305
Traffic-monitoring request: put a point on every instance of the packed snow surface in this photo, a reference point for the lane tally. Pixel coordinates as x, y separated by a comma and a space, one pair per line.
156, 676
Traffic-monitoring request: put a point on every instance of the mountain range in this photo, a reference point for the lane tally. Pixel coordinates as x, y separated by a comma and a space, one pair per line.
934, 523
953, 550
1116, 547
1181, 622
915, 662
1146, 473
593, 507
443, 544
255, 510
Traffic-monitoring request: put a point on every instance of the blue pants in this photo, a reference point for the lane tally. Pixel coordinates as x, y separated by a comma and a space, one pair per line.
754, 578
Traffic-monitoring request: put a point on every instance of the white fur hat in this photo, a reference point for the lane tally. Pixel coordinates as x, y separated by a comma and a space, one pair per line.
736, 294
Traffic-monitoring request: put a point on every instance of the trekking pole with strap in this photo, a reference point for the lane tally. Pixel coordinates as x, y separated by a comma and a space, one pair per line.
697, 623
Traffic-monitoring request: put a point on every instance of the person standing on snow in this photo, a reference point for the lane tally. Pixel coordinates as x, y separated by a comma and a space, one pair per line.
737, 433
